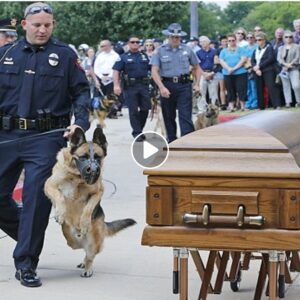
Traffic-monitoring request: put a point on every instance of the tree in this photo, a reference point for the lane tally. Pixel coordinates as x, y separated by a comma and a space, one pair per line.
212, 20
236, 11
273, 15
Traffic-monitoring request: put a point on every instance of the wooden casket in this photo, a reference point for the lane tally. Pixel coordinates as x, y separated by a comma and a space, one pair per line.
233, 186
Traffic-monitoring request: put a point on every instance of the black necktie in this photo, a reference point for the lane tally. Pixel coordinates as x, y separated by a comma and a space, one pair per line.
27, 85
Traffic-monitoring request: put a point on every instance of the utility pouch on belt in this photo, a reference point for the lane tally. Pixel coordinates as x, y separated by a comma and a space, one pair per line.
7, 123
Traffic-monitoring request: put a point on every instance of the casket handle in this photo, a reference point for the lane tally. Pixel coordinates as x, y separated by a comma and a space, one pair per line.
207, 219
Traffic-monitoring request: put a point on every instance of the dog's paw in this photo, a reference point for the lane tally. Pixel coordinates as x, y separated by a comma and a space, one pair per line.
59, 217
87, 273
81, 266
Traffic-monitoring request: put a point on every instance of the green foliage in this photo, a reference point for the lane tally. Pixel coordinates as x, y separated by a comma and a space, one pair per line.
273, 15
236, 11
212, 20
89, 22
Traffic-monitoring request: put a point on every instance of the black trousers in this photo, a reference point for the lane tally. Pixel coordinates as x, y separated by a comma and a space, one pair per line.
137, 98
37, 156
181, 100
267, 79
236, 85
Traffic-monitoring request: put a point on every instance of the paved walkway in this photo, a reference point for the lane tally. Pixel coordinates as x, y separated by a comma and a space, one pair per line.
125, 270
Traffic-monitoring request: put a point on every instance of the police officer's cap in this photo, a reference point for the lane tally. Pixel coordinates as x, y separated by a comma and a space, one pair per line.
8, 27
174, 30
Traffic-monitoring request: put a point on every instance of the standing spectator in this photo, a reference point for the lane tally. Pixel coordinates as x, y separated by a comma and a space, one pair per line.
278, 40
289, 58
103, 69
257, 29
82, 49
8, 31
149, 48
241, 34
263, 62
232, 60
194, 44
157, 42
219, 75
87, 65
40, 99
296, 24
208, 82
134, 67
252, 102
170, 71
103, 66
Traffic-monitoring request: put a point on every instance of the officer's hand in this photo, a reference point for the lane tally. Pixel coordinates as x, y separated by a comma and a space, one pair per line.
164, 92
117, 90
71, 129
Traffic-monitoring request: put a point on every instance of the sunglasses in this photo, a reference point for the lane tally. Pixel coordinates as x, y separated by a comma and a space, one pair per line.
147, 45
250, 37
258, 40
37, 9
288, 37
134, 42
231, 41
102, 46
239, 32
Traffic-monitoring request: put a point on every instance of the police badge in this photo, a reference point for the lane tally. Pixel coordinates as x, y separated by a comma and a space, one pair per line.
53, 59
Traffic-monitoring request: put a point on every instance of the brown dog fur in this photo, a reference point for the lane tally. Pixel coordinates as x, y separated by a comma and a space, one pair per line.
101, 113
208, 117
77, 204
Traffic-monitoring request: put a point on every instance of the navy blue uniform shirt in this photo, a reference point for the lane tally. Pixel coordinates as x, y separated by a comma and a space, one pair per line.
134, 64
41, 77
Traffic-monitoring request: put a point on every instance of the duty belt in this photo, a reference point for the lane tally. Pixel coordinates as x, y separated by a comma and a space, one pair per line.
132, 80
178, 79
41, 124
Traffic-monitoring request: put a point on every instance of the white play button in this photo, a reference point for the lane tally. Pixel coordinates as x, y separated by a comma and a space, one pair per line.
149, 150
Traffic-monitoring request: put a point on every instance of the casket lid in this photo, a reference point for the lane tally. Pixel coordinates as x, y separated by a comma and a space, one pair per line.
262, 144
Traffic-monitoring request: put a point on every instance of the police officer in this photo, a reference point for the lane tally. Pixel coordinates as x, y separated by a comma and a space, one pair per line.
8, 31
134, 66
40, 81
170, 71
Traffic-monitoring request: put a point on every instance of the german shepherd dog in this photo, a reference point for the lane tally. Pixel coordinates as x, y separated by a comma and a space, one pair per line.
207, 118
102, 106
75, 189
156, 113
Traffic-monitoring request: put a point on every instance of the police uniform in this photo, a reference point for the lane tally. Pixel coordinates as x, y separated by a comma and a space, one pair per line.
174, 64
38, 87
135, 67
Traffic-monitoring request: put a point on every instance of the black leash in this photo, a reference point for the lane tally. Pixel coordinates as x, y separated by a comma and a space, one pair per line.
33, 136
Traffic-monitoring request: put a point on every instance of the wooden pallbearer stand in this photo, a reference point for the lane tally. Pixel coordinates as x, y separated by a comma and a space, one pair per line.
227, 240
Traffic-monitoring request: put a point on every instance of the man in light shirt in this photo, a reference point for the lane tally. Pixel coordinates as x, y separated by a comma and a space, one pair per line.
103, 66
103, 70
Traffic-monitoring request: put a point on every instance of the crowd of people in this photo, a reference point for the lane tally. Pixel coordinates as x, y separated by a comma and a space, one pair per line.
243, 70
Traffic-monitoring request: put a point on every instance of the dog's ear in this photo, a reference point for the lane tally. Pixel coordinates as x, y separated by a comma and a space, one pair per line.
77, 139
100, 139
